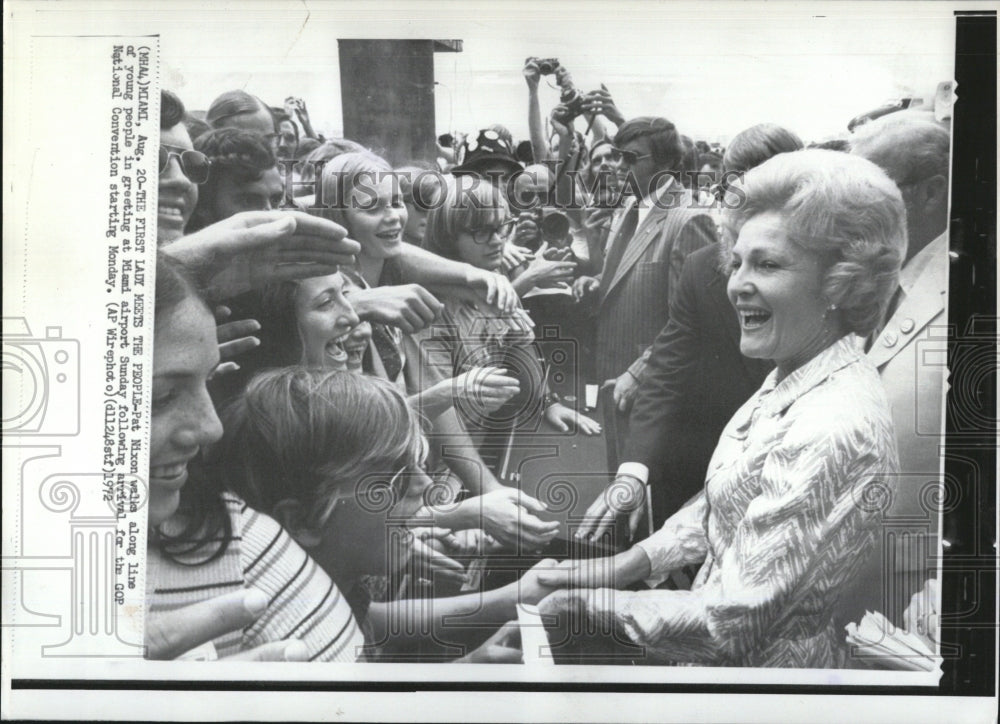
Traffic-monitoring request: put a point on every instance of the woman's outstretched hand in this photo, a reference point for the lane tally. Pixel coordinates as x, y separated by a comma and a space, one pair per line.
508, 515
254, 248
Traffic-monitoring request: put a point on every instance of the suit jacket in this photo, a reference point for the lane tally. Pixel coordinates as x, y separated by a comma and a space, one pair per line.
634, 297
911, 354
695, 380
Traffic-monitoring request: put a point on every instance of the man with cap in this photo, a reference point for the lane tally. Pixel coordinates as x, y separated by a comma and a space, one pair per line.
490, 156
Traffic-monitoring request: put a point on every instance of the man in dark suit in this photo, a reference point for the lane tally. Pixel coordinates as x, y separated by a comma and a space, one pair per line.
694, 381
648, 242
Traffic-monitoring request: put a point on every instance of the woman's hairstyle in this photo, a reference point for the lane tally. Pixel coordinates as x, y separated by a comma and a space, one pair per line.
322, 153
235, 155
664, 140
205, 517
171, 110
196, 127
174, 284
280, 339
307, 146
906, 145
756, 144
842, 207
420, 183
308, 434
233, 103
467, 203
342, 175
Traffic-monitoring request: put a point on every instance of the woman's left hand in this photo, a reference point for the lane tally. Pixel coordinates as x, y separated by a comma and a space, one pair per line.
562, 417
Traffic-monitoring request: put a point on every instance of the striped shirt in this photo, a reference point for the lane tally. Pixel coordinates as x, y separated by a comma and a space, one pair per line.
304, 603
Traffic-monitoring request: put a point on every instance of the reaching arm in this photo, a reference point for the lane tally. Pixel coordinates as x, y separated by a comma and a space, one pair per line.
446, 276
802, 534
398, 623
539, 145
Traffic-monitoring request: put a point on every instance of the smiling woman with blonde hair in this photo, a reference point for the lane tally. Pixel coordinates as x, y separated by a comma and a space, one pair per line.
791, 503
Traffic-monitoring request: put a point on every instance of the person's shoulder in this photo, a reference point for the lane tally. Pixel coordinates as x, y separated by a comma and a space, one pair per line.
849, 404
264, 541
705, 261
305, 603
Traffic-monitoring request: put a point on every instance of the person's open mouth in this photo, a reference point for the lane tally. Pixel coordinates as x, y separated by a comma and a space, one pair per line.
393, 235
170, 212
752, 318
335, 351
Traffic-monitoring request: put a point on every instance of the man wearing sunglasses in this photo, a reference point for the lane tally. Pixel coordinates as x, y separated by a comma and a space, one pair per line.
660, 225
182, 169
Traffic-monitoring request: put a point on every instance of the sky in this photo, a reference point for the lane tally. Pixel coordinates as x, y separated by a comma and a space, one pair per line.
713, 68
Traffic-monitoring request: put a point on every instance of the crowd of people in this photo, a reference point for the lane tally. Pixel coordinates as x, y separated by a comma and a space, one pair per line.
343, 345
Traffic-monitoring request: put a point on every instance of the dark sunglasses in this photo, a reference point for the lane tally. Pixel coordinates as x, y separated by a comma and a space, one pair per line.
194, 164
631, 158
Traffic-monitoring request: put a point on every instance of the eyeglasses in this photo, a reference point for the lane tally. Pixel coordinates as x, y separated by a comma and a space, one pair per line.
502, 230
194, 164
631, 158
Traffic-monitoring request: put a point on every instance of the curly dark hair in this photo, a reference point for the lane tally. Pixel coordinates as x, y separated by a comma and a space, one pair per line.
239, 155
171, 110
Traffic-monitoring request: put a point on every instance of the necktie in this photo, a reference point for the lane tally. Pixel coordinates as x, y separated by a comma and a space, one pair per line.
625, 233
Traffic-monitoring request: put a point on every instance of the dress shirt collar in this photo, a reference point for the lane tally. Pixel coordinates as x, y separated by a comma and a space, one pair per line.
776, 397
669, 185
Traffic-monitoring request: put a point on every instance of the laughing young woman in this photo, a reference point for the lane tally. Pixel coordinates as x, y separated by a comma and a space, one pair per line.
205, 542
224, 580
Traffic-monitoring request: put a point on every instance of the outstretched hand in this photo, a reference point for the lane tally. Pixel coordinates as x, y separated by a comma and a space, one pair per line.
254, 248
565, 419
235, 338
626, 494
508, 515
